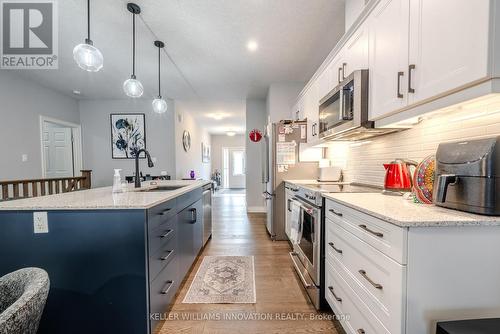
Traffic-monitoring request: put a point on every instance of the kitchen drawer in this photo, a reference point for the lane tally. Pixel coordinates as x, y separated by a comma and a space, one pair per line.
376, 278
161, 235
161, 213
162, 257
189, 198
387, 238
162, 291
346, 303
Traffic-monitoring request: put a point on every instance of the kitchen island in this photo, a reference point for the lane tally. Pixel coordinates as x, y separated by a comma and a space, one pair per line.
115, 261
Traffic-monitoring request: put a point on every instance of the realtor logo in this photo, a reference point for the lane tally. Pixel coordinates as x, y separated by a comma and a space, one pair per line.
29, 34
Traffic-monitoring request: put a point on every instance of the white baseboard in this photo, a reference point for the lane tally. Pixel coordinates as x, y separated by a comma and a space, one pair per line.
257, 209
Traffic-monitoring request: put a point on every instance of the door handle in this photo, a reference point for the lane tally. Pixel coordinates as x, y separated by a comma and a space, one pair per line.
288, 205
334, 295
365, 276
193, 215
410, 69
331, 244
344, 65
399, 94
165, 291
377, 234
338, 75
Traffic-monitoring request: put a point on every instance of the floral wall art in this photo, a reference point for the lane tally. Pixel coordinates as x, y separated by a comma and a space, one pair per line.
128, 135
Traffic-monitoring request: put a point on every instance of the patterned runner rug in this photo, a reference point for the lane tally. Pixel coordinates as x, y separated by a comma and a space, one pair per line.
223, 280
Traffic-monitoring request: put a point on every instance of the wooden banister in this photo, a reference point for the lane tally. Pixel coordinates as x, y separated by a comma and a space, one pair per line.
17, 189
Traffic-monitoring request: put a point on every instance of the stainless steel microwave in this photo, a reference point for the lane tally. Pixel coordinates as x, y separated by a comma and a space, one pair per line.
344, 111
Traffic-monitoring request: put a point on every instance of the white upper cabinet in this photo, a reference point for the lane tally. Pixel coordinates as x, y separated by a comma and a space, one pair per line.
311, 111
448, 45
388, 47
355, 53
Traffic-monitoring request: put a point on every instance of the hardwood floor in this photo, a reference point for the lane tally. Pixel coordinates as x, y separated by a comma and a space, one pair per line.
278, 289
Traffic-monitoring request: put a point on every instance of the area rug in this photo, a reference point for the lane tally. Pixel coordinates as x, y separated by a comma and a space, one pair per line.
223, 280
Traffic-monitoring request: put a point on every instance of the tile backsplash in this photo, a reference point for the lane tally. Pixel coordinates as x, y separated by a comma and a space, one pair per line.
362, 161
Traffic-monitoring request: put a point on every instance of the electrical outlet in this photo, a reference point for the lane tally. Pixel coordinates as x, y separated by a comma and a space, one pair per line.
40, 222
24, 157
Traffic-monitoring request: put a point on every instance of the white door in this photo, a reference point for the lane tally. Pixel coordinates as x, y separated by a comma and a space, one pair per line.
389, 25
236, 170
58, 151
448, 45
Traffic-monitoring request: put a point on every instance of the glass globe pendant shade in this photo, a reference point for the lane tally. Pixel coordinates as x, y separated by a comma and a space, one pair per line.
133, 87
88, 57
159, 105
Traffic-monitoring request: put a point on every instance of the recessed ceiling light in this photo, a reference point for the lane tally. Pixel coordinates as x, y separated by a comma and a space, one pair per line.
252, 45
77, 92
231, 133
218, 115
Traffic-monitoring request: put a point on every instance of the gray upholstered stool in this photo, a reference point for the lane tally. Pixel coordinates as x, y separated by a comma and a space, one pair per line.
23, 294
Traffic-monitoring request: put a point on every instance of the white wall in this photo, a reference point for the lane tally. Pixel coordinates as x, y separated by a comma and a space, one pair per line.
280, 99
364, 163
352, 10
96, 128
256, 119
21, 104
191, 160
221, 141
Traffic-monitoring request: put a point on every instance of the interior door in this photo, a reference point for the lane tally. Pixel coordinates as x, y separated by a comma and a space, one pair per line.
58, 151
448, 45
389, 24
237, 165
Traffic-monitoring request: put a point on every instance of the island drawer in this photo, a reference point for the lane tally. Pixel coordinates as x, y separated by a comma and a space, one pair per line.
189, 198
162, 235
161, 213
162, 292
386, 237
162, 257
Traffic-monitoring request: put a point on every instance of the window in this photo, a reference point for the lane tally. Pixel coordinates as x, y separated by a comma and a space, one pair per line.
238, 163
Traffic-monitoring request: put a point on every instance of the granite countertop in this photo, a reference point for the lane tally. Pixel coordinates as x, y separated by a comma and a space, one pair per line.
103, 198
404, 213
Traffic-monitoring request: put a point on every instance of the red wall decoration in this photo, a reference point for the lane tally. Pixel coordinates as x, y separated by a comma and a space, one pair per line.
255, 135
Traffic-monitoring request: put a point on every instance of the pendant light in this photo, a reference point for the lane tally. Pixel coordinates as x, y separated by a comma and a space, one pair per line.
86, 55
133, 87
159, 104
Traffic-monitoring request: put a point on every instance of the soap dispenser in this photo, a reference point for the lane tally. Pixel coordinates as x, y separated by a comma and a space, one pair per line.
117, 182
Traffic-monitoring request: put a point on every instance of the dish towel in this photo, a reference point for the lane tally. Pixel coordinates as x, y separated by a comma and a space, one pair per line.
296, 222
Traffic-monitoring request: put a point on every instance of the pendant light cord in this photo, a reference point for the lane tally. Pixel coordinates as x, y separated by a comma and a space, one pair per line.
159, 72
133, 46
88, 20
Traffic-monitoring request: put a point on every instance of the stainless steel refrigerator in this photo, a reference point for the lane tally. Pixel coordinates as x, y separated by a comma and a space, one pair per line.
280, 157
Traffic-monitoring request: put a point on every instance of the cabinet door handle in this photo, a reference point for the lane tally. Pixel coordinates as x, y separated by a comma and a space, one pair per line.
168, 256
336, 213
335, 248
170, 285
166, 234
400, 75
344, 65
338, 75
193, 215
410, 69
334, 295
164, 212
365, 276
361, 331
377, 234
289, 206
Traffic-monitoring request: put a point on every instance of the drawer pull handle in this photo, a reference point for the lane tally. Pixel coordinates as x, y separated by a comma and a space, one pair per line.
361, 331
168, 256
365, 276
335, 248
334, 295
170, 285
166, 234
377, 234
193, 215
336, 213
164, 212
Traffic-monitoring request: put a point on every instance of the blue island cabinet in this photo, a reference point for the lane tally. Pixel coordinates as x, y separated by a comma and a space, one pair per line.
111, 271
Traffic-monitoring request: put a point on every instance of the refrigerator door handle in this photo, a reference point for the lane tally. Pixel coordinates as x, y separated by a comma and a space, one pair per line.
265, 160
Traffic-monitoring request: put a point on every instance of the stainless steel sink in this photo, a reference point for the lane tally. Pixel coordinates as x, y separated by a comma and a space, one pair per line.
164, 188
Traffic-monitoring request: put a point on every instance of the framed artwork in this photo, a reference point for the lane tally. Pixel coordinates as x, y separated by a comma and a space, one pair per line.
186, 140
205, 152
128, 135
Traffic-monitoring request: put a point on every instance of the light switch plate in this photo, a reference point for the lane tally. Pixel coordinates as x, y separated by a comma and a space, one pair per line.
24, 157
40, 222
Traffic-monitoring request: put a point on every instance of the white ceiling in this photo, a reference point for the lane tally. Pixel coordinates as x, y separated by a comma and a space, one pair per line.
206, 39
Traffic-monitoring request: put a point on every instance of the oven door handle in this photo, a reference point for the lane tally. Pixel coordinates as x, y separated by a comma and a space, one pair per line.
293, 255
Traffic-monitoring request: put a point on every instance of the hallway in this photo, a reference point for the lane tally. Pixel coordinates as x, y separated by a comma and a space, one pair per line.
278, 289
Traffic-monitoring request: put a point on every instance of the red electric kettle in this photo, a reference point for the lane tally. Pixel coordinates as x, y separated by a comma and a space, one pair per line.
398, 177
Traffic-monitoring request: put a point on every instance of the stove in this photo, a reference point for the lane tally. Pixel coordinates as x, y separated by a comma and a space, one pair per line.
312, 192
